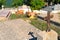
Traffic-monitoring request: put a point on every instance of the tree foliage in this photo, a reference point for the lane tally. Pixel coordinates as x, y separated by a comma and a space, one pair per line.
2, 2
56, 1
36, 4
17, 2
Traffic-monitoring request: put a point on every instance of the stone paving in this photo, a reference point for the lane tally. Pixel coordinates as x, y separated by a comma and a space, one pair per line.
16, 29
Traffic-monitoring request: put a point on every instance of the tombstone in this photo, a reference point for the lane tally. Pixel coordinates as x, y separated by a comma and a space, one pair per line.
52, 35
57, 7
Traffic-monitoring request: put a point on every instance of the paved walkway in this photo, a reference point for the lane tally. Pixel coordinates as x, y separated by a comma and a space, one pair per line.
16, 30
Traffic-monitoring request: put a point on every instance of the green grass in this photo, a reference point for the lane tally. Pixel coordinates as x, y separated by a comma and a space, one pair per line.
15, 16
42, 25
39, 24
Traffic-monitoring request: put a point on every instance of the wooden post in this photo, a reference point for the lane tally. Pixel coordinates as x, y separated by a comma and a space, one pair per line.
48, 17
48, 21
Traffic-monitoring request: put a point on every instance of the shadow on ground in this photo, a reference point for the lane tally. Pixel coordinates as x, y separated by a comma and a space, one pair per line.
33, 37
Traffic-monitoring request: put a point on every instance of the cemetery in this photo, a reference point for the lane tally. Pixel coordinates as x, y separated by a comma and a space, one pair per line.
31, 18
32, 21
35, 21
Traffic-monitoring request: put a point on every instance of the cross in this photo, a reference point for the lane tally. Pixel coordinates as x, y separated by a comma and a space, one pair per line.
48, 21
47, 18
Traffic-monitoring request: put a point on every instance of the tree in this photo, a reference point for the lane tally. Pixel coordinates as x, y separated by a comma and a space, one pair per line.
36, 4
56, 1
2, 2
8, 3
17, 2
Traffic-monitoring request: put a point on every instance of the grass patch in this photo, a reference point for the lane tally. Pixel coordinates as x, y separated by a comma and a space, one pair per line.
15, 16
39, 24
42, 25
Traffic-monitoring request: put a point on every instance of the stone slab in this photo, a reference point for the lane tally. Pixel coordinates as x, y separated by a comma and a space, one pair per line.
16, 29
52, 35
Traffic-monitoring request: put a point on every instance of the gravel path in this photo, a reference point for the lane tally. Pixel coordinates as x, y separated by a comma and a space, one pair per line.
16, 30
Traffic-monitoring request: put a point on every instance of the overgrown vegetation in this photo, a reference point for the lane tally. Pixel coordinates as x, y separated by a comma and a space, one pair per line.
15, 16
17, 3
40, 24
36, 4
2, 2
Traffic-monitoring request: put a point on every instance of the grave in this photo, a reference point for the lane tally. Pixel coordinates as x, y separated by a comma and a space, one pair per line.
49, 34
52, 35
4, 14
57, 7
